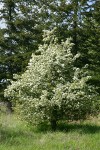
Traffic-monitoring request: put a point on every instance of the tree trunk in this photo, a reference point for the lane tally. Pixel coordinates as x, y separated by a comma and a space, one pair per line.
9, 107
54, 124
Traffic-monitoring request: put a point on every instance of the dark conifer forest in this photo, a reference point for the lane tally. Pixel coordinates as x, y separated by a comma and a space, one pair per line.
25, 22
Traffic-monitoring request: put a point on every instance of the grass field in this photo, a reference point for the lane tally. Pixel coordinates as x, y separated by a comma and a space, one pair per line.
15, 135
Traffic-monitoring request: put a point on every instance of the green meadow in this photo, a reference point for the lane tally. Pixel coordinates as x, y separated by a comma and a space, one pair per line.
16, 135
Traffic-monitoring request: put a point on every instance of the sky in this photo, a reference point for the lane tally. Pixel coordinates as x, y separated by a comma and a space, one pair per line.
2, 24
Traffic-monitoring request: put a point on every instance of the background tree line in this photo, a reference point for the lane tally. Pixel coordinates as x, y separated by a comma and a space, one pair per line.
24, 25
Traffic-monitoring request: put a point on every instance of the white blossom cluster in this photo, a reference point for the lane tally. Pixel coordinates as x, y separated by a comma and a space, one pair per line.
51, 87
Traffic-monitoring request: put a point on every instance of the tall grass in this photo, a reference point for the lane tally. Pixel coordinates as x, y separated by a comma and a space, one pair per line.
15, 135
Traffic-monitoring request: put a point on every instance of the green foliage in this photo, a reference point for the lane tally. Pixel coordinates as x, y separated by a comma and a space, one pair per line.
25, 21
18, 38
51, 88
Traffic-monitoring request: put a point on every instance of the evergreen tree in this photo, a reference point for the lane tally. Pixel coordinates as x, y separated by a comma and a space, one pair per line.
90, 40
7, 47
25, 21
19, 38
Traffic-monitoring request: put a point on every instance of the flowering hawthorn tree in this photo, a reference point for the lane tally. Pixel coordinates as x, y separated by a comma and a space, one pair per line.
52, 89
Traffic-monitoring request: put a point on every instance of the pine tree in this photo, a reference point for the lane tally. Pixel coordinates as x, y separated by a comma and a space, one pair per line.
19, 38
7, 47
25, 21
90, 40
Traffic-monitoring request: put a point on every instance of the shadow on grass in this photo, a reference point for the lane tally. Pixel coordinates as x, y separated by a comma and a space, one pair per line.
9, 136
71, 127
81, 128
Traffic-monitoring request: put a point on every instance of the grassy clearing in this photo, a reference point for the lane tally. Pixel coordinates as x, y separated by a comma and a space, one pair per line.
15, 135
